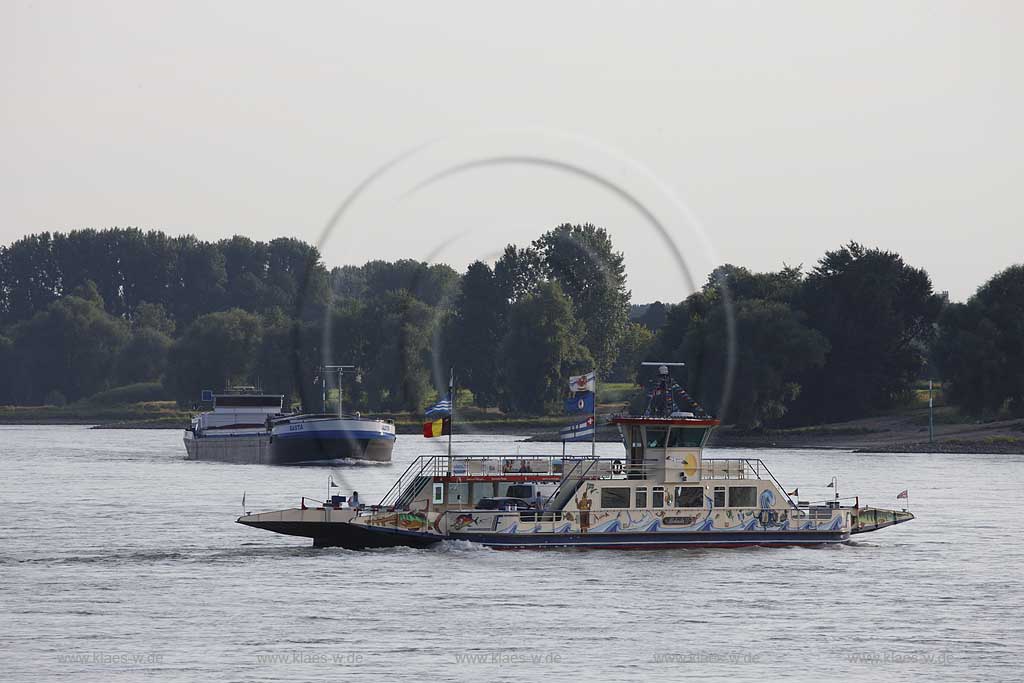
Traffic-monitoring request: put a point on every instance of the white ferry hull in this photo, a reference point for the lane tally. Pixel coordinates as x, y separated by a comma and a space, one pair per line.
328, 531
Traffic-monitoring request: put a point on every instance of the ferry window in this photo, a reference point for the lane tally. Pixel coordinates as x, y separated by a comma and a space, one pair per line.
438, 493
656, 438
657, 497
685, 437
615, 498
641, 497
503, 487
719, 496
742, 496
689, 496
482, 490
458, 493
524, 491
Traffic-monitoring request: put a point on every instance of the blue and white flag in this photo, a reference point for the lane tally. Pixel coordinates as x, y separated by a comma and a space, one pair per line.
578, 432
587, 382
582, 402
442, 408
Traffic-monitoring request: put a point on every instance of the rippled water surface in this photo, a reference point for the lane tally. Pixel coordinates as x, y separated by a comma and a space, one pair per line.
119, 560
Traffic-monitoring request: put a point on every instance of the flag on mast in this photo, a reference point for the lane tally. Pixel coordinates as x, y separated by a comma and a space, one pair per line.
580, 403
439, 415
587, 382
581, 431
905, 493
442, 427
441, 408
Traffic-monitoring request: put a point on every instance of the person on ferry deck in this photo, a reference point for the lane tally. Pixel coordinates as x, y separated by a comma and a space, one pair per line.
538, 500
353, 501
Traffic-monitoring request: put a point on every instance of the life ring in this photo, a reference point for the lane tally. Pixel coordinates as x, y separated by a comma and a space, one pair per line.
617, 467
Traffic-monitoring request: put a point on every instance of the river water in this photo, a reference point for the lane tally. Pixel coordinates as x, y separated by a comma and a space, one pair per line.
119, 560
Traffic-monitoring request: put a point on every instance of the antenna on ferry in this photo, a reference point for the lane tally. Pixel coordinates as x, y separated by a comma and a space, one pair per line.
834, 485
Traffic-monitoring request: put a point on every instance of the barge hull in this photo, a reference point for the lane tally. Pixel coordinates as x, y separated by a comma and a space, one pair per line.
312, 449
241, 450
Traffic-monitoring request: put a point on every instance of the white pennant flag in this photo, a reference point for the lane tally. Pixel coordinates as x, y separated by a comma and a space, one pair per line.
587, 382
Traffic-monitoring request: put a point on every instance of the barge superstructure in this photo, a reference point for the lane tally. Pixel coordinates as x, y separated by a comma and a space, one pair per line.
235, 429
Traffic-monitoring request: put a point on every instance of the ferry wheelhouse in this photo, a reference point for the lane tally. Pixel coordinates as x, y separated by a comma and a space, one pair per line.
662, 493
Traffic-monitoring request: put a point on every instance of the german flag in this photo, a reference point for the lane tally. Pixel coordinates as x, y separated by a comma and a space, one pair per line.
442, 427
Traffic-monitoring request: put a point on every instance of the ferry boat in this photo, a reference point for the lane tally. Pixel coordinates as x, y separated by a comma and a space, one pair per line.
662, 493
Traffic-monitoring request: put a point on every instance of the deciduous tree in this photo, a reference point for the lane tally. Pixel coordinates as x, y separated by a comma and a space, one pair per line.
980, 349
541, 349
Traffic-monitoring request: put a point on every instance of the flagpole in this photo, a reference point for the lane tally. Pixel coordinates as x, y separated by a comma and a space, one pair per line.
451, 415
593, 437
451, 401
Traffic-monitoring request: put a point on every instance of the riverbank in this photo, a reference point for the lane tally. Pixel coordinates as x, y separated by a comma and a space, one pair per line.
167, 415
142, 415
905, 432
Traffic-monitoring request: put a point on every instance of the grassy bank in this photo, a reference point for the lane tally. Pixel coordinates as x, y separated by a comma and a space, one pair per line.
140, 415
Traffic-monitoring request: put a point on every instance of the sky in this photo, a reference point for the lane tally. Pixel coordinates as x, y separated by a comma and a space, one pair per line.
752, 133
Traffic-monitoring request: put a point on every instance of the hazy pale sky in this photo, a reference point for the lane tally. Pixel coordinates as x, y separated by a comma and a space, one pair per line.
787, 128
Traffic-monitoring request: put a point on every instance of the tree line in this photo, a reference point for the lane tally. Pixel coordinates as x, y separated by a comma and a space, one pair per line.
89, 310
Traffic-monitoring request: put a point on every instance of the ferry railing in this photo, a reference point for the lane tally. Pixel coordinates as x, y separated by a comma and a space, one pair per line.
539, 465
755, 466
566, 468
570, 482
417, 468
600, 467
830, 502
